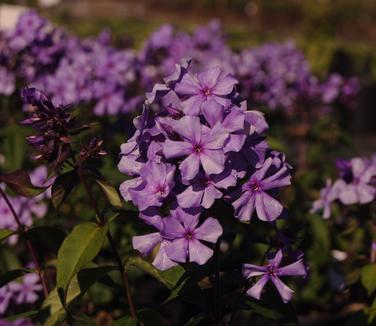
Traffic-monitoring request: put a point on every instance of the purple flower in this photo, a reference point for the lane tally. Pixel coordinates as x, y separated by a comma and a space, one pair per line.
146, 243
210, 84
356, 186
152, 187
185, 237
204, 189
254, 194
27, 291
272, 272
200, 145
327, 196
5, 296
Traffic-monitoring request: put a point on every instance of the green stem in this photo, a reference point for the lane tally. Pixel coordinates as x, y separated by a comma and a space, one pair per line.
102, 221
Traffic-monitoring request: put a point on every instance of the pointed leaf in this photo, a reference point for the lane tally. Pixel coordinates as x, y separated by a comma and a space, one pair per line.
4, 234
79, 248
52, 312
19, 181
110, 192
368, 278
63, 186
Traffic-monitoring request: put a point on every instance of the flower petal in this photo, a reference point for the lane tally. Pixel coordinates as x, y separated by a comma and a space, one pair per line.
177, 250
255, 290
198, 252
209, 231
284, 291
145, 243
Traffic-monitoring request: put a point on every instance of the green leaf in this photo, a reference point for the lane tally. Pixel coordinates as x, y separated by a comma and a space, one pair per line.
168, 278
19, 181
194, 321
4, 234
83, 320
52, 312
125, 321
79, 248
63, 186
12, 275
368, 278
27, 314
110, 192
371, 312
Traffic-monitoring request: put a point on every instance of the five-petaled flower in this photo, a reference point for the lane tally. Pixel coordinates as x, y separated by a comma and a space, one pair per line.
272, 272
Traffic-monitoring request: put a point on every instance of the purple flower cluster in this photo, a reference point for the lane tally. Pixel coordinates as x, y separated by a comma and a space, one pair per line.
112, 81
195, 145
278, 76
26, 208
356, 185
18, 293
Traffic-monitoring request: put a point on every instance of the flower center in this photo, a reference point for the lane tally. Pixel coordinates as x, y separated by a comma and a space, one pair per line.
272, 270
198, 149
255, 186
189, 235
206, 91
161, 190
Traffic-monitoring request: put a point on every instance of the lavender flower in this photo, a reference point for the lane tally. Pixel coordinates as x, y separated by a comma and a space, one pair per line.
5, 297
200, 145
27, 291
355, 185
272, 272
185, 237
254, 194
212, 84
154, 185
184, 163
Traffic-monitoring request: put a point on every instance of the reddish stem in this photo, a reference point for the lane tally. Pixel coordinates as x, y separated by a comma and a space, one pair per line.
23, 231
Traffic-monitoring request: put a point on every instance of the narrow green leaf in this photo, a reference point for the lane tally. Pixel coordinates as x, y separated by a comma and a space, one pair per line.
79, 248
27, 314
83, 320
110, 192
19, 181
52, 312
371, 312
368, 278
4, 234
12, 275
63, 186
194, 321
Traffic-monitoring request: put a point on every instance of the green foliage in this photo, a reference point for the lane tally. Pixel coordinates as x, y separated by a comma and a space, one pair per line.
19, 181
79, 248
53, 313
110, 192
368, 278
4, 234
63, 186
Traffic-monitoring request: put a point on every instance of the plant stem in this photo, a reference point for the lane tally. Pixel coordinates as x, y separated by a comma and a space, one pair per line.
23, 231
103, 221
